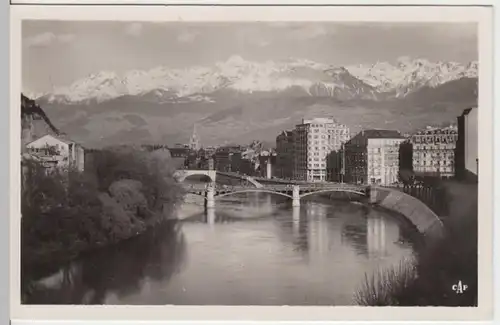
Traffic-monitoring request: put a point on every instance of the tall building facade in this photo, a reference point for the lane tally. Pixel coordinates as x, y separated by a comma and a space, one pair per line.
372, 157
335, 166
284, 155
313, 140
434, 151
223, 158
466, 152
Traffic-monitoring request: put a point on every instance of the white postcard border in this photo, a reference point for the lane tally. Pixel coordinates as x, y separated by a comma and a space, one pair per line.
483, 16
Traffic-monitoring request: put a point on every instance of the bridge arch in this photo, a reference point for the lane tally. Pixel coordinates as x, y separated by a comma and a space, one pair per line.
254, 182
249, 179
181, 175
333, 190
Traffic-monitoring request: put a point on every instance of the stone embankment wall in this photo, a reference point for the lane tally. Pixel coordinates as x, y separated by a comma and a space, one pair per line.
419, 214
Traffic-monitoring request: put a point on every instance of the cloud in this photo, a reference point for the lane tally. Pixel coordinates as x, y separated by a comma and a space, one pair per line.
308, 32
186, 37
262, 43
134, 29
301, 31
255, 36
280, 24
66, 38
48, 38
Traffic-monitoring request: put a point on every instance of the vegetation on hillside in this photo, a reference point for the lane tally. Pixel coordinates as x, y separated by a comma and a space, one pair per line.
441, 263
122, 193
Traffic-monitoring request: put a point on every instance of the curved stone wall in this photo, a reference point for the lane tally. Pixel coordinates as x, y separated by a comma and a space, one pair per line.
419, 214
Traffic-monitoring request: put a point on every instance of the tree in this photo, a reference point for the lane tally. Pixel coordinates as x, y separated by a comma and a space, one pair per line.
406, 176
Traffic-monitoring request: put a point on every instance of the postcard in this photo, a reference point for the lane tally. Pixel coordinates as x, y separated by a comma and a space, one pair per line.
251, 163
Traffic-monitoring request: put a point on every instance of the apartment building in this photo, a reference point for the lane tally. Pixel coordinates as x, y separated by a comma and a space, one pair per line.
223, 156
313, 140
372, 157
284, 155
433, 151
466, 152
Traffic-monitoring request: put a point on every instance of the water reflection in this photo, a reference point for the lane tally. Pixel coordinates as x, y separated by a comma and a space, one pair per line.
252, 249
121, 270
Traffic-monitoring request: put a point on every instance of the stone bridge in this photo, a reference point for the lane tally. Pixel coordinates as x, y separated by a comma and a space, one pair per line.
182, 174
294, 192
417, 212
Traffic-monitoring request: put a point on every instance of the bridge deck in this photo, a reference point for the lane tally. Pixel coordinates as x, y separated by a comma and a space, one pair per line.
276, 188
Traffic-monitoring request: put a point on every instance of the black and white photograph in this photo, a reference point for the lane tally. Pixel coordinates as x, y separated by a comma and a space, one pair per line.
249, 163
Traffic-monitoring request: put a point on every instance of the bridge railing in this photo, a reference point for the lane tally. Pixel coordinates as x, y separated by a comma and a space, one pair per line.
279, 187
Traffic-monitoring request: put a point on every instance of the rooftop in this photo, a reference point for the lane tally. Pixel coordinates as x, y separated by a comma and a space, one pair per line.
381, 134
437, 130
468, 110
61, 137
319, 120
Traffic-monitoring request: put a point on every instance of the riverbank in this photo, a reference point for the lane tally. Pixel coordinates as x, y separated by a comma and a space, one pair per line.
428, 279
258, 251
115, 268
123, 193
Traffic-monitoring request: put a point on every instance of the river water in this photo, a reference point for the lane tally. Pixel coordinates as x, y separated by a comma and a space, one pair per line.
252, 249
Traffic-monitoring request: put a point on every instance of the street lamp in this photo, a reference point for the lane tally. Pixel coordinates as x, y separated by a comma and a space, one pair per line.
342, 167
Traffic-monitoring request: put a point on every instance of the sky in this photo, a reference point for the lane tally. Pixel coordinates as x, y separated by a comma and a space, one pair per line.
56, 53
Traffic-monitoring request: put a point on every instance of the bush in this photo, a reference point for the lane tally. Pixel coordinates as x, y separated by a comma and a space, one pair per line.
384, 288
153, 170
66, 212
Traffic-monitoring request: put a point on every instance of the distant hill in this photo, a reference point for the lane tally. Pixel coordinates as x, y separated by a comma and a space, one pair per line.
240, 101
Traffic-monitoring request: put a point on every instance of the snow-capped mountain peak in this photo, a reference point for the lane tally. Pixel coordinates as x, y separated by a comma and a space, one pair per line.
238, 74
408, 75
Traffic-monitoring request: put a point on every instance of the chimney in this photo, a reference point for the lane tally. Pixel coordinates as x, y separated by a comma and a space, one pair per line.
362, 132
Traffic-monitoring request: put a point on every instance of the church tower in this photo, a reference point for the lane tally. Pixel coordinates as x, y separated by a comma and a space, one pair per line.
194, 142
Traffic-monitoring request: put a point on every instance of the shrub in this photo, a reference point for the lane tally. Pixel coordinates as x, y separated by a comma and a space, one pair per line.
153, 170
441, 263
384, 288
65, 212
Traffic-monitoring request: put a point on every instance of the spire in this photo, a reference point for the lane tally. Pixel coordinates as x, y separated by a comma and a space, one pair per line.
194, 131
194, 143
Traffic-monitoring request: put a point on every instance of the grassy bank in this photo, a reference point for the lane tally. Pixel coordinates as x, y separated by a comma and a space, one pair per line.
121, 194
441, 263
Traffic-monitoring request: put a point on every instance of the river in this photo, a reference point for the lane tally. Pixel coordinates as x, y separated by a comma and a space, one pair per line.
252, 249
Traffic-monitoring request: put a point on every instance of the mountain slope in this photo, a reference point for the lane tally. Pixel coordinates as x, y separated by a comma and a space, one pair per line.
162, 84
410, 75
241, 101
237, 117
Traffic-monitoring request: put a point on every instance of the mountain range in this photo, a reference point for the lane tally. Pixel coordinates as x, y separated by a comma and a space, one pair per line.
240, 101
